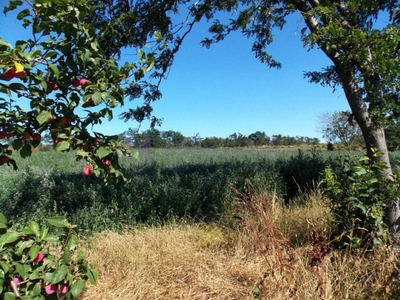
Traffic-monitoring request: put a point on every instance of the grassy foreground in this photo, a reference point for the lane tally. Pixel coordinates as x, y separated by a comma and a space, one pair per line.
273, 252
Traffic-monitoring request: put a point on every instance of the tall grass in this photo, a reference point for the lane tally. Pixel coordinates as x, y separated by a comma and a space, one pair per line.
171, 183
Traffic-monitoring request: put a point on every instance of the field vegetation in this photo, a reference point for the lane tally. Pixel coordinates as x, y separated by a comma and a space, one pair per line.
204, 224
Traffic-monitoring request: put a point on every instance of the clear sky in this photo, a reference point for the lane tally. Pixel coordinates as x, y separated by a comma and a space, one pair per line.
225, 90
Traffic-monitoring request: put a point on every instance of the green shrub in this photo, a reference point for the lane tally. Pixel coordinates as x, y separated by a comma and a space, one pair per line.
358, 199
300, 172
38, 264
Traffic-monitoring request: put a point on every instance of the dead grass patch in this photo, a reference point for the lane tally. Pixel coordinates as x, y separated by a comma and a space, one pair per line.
172, 262
259, 261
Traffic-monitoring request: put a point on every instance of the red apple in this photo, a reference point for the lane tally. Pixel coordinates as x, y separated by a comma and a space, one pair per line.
83, 82
39, 257
87, 170
63, 289
106, 162
9, 134
64, 120
27, 135
20, 74
4, 159
18, 283
36, 136
9, 74
50, 289
2, 135
76, 82
54, 86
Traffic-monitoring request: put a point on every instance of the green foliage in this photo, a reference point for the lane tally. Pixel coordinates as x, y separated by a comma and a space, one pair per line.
358, 198
62, 72
154, 193
301, 172
38, 264
164, 183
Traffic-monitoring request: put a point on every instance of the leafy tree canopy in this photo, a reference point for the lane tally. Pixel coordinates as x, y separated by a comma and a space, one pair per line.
69, 76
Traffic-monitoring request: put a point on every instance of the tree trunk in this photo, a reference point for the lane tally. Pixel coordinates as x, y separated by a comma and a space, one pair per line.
373, 132
375, 141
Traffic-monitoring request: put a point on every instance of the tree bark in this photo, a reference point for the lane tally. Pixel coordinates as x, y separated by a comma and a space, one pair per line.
373, 132
375, 140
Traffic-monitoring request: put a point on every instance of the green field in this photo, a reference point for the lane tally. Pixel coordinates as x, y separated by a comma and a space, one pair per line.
164, 184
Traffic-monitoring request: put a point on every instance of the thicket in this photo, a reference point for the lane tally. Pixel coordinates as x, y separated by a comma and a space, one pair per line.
163, 185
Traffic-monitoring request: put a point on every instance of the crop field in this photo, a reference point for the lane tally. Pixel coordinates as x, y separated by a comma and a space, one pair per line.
163, 184
203, 224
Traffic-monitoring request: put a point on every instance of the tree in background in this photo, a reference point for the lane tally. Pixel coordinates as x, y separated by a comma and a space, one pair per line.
259, 138
338, 128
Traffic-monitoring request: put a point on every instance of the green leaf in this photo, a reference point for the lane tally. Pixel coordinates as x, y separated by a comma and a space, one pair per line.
10, 237
59, 274
362, 207
35, 275
3, 221
17, 144
141, 54
9, 296
82, 153
43, 117
33, 252
102, 152
23, 245
45, 231
92, 275
26, 150
72, 242
55, 70
17, 86
34, 227
62, 146
22, 14
59, 221
77, 288
97, 98
4, 268
4, 43
23, 270
51, 238
37, 289
66, 258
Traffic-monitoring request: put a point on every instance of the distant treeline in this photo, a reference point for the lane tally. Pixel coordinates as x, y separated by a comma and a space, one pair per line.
154, 138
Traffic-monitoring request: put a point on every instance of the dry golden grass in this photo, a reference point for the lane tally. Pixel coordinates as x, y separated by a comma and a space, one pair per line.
272, 255
172, 262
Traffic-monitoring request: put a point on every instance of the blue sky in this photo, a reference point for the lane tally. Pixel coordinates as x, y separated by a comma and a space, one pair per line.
225, 90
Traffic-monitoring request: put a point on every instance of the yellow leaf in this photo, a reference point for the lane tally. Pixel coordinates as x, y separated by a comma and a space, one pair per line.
18, 67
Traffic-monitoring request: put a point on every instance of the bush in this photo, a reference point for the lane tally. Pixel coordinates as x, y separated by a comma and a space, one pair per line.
300, 172
37, 264
358, 199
